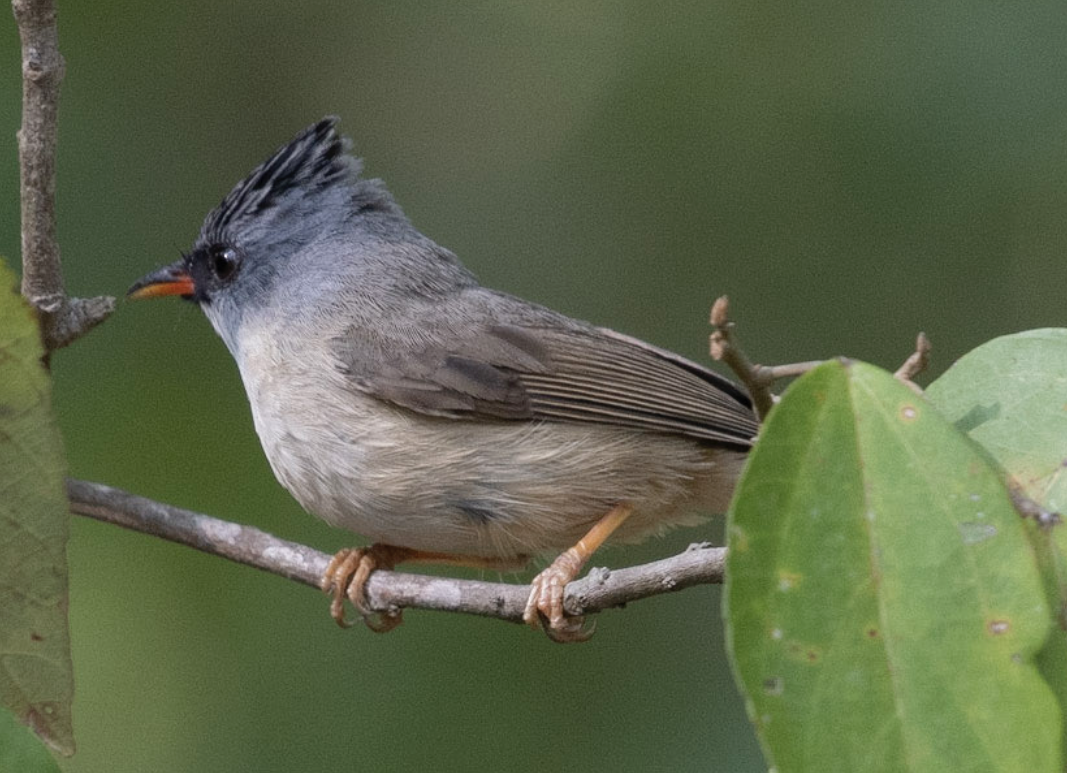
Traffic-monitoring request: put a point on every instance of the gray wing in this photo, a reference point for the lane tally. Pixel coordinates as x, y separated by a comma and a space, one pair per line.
574, 374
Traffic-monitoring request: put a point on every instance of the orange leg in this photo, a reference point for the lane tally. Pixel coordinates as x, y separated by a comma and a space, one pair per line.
348, 572
546, 594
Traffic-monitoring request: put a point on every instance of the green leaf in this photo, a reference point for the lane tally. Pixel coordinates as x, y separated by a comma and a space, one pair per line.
883, 608
1010, 396
36, 678
20, 750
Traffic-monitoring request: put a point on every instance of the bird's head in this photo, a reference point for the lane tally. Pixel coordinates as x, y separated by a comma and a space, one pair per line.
308, 192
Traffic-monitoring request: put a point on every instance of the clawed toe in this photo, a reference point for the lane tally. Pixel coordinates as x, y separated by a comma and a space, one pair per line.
347, 575
544, 608
336, 579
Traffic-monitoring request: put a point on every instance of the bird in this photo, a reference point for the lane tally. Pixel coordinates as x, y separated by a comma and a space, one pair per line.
446, 422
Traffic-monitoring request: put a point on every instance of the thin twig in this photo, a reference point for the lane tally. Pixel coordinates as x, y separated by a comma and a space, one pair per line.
916, 363
724, 349
756, 378
63, 319
389, 591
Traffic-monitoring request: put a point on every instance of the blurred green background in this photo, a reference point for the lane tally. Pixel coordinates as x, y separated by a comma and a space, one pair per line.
849, 175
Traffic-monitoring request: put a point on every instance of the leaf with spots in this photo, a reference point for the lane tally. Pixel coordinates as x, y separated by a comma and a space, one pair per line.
1010, 396
883, 607
36, 681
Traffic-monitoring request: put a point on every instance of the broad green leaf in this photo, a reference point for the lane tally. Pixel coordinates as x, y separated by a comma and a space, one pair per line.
883, 607
1010, 396
19, 750
36, 680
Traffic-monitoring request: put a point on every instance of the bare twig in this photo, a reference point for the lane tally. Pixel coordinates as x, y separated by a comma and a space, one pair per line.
916, 363
724, 349
389, 591
756, 378
63, 319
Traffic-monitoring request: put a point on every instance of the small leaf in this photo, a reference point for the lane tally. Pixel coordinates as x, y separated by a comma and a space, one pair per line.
882, 604
1010, 396
36, 677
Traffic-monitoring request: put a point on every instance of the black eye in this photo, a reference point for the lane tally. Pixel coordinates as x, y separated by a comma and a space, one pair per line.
224, 262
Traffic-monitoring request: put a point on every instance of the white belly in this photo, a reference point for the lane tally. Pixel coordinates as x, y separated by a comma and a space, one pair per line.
500, 489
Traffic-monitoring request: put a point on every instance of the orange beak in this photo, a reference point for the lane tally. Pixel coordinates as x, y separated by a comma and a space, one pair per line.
169, 280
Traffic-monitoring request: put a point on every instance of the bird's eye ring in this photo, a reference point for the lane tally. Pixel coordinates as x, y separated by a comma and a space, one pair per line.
224, 262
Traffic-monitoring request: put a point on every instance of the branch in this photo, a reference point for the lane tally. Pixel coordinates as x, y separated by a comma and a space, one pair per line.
63, 319
759, 378
390, 591
916, 363
756, 378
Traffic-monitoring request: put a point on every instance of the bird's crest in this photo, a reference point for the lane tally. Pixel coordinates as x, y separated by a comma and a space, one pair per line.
311, 175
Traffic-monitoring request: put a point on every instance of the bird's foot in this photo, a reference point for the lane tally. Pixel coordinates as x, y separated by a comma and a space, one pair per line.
545, 604
347, 575
544, 608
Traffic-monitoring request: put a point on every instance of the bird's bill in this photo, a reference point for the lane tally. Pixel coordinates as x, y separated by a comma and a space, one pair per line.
169, 280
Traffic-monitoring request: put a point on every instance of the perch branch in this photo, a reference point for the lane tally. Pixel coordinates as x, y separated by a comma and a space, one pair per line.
389, 591
63, 319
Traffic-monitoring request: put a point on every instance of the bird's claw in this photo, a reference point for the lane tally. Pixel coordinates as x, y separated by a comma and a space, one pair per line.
544, 608
347, 575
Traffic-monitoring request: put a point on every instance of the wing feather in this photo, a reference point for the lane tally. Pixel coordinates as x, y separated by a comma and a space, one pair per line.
556, 373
